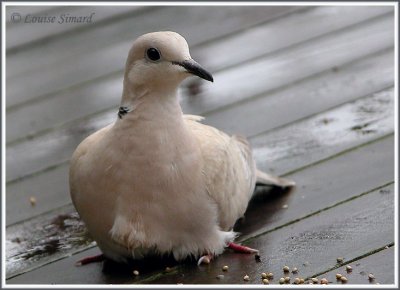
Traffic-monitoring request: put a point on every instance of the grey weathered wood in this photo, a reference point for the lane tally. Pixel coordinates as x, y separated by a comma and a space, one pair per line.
313, 194
48, 237
380, 264
263, 75
24, 32
320, 93
325, 134
278, 151
343, 230
303, 62
282, 32
325, 184
189, 21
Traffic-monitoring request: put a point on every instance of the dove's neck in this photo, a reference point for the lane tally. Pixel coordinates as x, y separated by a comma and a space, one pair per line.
152, 104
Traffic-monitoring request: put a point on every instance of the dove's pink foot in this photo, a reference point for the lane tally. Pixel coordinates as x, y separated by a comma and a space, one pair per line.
206, 259
242, 249
90, 259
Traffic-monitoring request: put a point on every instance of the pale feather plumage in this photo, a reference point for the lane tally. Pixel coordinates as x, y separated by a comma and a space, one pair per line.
157, 181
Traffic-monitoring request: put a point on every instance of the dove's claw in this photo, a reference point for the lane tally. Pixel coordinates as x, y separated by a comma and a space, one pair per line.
90, 259
242, 249
206, 259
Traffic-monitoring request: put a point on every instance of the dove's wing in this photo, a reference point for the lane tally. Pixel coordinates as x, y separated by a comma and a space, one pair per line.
229, 170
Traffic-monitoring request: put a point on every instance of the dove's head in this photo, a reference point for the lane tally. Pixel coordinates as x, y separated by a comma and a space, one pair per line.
161, 59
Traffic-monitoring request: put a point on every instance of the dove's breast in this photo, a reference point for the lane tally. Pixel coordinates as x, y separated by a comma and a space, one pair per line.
145, 192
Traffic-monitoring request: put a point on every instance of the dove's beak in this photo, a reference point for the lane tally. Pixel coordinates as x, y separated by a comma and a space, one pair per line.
193, 67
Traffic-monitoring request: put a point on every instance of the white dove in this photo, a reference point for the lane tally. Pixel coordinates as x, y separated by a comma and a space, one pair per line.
156, 181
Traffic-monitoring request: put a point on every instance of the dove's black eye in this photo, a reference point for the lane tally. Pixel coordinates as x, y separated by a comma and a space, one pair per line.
153, 54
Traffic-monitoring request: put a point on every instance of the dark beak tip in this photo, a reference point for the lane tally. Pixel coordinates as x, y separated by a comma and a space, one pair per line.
194, 68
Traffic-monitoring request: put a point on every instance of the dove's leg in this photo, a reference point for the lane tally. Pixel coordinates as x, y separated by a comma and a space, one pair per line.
90, 259
241, 249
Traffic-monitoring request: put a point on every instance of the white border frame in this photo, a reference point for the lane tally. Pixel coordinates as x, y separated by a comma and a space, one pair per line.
228, 286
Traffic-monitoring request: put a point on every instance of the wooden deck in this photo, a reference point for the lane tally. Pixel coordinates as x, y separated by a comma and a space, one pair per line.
311, 87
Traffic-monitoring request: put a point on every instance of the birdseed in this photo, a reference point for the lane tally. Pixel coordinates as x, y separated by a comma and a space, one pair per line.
339, 260
343, 279
295, 270
270, 275
371, 277
296, 281
324, 281
349, 268
246, 278
136, 272
265, 281
264, 275
286, 269
281, 280
338, 276
225, 268
314, 280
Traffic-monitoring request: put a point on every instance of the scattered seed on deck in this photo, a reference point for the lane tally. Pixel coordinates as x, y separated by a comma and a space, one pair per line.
295, 270
338, 276
371, 277
270, 275
281, 280
32, 200
296, 281
285, 206
264, 275
225, 268
314, 280
265, 281
257, 257
343, 279
168, 269
136, 272
287, 279
349, 268
246, 278
286, 269
324, 281
220, 277
339, 260
301, 281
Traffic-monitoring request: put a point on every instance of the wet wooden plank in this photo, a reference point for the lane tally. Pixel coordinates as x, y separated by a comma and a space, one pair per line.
48, 237
278, 151
25, 32
263, 75
326, 184
380, 264
284, 67
343, 230
312, 195
189, 21
327, 90
325, 134
284, 32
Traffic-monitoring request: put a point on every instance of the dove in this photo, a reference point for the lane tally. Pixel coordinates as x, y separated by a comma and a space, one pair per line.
156, 181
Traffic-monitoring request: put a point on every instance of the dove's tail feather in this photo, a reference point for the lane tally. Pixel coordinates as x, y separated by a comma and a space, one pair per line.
267, 179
